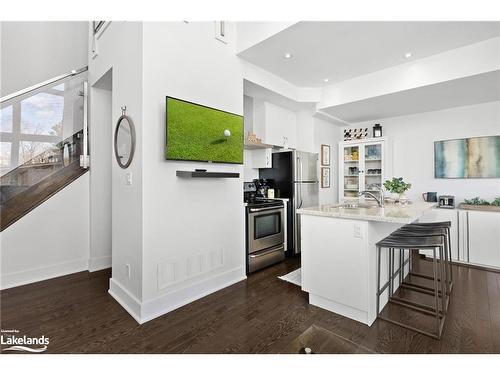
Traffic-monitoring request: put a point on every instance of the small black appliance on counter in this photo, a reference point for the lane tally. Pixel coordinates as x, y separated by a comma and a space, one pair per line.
446, 201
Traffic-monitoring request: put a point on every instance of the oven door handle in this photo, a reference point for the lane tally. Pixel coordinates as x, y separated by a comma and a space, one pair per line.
269, 251
276, 208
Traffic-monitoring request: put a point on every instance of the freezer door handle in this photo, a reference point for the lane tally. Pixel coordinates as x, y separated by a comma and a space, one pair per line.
299, 162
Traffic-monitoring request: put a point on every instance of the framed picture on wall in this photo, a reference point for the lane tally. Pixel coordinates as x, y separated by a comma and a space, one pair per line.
477, 157
325, 155
325, 177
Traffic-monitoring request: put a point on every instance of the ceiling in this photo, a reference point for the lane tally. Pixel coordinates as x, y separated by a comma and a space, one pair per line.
256, 91
480, 88
343, 50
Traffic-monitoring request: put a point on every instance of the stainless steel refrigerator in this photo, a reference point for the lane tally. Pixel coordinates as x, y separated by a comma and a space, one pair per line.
294, 175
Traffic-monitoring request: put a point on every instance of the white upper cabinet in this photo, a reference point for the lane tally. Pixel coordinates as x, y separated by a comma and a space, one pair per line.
281, 126
275, 125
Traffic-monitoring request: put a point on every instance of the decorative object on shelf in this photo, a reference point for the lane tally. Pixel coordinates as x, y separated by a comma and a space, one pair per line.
285, 143
353, 155
353, 170
124, 140
481, 204
477, 157
325, 177
352, 134
252, 138
373, 152
325, 155
377, 131
397, 187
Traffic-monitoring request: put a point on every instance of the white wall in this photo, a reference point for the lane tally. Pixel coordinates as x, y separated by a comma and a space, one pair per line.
120, 49
412, 141
193, 229
52, 240
328, 134
32, 52
101, 149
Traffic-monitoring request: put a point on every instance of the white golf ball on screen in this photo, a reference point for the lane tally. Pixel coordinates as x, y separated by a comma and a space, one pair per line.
227, 133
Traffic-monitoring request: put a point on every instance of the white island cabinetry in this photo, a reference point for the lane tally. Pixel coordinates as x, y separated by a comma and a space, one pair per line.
339, 261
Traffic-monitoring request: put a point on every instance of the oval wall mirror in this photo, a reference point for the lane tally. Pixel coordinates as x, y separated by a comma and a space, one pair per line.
124, 140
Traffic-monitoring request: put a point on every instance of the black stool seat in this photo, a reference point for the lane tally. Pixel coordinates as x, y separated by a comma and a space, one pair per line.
407, 242
446, 224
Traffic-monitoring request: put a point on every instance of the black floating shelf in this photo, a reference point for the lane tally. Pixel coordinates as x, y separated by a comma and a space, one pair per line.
196, 174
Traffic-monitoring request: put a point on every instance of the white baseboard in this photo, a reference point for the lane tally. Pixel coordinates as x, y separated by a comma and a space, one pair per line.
11, 280
131, 304
156, 307
99, 263
339, 308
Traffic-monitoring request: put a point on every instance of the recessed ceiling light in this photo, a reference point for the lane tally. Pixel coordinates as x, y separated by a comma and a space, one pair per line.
408, 55
288, 56
325, 80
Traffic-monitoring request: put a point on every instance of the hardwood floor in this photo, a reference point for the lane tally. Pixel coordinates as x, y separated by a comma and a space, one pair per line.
259, 315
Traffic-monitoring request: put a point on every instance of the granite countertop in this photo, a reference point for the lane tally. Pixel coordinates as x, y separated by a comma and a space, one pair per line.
390, 213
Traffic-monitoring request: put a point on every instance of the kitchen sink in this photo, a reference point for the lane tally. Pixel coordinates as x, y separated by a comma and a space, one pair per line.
355, 205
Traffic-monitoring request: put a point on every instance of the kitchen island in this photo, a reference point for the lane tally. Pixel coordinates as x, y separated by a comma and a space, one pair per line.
339, 268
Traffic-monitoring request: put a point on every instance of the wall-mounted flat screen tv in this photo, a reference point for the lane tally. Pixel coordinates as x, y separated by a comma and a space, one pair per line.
199, 133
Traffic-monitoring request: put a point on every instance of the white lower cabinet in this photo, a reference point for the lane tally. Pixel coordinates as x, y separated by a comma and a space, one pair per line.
443, 214
475, 235
483, 238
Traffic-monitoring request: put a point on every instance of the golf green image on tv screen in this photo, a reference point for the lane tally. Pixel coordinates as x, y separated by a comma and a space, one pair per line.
199, 133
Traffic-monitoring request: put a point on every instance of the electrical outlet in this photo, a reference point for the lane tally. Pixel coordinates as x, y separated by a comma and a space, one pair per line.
127, 268
357, 231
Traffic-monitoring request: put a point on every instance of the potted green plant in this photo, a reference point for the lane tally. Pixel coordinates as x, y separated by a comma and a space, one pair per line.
397, 187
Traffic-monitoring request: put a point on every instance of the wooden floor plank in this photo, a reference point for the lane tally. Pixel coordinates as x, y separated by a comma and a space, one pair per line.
261, 314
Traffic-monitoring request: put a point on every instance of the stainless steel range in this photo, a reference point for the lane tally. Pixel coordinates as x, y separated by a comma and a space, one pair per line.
264, 230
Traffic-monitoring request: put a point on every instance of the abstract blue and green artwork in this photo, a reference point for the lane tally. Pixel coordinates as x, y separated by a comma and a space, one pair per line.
477, 157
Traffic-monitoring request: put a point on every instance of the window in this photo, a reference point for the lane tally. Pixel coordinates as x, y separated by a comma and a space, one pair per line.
33, 125
5, 158
6, 119
42, 114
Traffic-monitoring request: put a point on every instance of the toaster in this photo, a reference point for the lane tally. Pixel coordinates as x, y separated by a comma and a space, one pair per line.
446, 201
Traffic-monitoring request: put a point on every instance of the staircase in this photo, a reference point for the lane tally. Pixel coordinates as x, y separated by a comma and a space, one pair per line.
35, 160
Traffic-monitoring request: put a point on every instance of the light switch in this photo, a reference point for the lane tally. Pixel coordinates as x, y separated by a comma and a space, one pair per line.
128, 178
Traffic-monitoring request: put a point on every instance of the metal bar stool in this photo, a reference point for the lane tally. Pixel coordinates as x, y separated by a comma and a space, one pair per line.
434, 243
444, 225
443, 276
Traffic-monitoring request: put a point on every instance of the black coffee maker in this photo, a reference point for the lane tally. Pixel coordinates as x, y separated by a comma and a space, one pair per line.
262, 185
